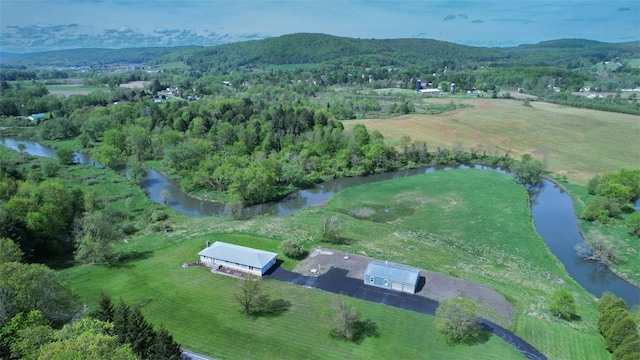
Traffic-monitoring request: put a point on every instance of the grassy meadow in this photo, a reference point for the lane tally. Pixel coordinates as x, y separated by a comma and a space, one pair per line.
578, 143
469, 223
199, 310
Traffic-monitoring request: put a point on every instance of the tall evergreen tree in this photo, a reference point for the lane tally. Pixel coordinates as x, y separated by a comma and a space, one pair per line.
121, 321
106, 310
164, 346
140, 334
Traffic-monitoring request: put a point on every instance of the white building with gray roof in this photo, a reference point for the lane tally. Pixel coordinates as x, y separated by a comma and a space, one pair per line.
238, 257
392, 276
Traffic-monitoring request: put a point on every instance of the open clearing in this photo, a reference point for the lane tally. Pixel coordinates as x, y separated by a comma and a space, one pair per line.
437, 286
470, 224
578, 143
136, 84
199, 310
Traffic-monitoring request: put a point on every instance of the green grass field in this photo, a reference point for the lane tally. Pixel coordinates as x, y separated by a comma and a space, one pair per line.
199, 310
471, 224
578, 143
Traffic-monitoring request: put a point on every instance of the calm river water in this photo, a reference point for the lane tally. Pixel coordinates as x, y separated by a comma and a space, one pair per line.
552, 210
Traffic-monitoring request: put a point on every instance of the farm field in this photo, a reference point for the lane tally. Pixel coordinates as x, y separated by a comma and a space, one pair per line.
467, 223
64, 87
578, 143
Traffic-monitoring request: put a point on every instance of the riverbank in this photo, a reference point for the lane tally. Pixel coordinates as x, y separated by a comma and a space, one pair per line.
464, 223
627, 245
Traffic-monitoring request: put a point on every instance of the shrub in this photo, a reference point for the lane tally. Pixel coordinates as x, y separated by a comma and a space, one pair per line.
633, 224
562, 304
608, 319
609, 301
624, 328
594, 184
292, 249
618, 192
600, 209
628, 350
329, 230
158, 216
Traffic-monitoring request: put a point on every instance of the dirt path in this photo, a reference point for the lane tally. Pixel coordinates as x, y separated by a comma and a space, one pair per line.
436, 286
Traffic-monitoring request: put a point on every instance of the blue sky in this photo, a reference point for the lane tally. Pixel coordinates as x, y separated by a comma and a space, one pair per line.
29, 26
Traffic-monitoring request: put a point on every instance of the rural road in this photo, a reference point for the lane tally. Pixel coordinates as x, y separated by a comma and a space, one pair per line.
336, 281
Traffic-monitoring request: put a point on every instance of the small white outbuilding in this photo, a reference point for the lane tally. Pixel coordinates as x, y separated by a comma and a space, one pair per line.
237, 257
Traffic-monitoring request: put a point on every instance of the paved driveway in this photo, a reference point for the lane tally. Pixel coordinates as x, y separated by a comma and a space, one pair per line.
336, 281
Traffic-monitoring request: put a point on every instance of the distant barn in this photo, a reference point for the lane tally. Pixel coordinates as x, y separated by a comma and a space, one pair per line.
392, 276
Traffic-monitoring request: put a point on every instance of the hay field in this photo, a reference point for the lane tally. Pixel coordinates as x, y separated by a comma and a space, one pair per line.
578, 143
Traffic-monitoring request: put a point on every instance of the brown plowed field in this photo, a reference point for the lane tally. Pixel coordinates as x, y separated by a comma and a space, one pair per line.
578, 143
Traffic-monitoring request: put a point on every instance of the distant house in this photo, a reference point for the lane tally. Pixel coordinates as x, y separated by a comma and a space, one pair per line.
36, 117
237, 257
430, 91
392, 276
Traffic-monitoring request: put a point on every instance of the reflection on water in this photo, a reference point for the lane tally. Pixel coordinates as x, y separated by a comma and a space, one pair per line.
555, 221
551, 208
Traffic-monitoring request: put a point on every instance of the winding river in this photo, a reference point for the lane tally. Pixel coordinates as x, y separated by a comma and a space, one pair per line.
552, 211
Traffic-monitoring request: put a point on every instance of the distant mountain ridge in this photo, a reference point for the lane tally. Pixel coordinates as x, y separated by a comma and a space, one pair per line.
306, 48
92, 56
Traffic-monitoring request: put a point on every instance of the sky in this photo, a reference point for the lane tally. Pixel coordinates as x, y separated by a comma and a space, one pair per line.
32, 26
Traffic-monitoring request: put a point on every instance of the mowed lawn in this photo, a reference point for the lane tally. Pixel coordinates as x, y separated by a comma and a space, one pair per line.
579, 143
473, 224
199, 310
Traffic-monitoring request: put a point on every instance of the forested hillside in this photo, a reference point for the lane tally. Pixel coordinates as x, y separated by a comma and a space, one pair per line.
320, 48
90, 57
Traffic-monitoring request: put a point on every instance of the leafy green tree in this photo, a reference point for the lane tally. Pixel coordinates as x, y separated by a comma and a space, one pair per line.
65, 156
628, 350
11, 332
29, 340
50, 169
249, 294
26, 287
633, 224
528, 170
136, 170
562, 304
107, 155
138, 142
83, 140
609, 318
330, 230
292, 249
456, 319
623, 328
600, 208
9, 251
345, 321
609, 301
617, 192
96, 243
87, 345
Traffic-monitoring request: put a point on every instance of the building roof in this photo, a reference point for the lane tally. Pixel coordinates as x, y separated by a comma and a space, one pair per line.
37, 116
393, 272
238, 254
